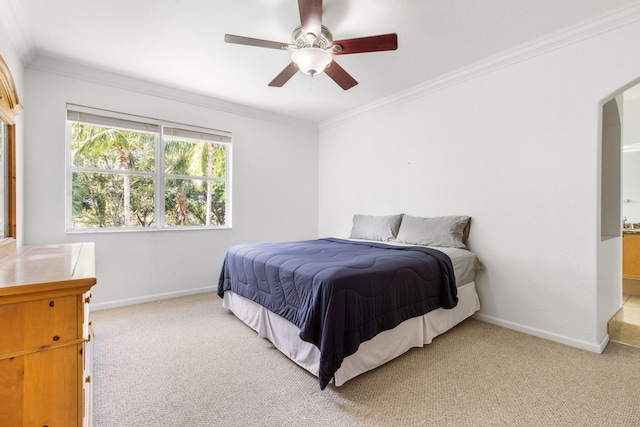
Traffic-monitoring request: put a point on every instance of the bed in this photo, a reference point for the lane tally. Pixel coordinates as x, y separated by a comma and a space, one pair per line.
341, 307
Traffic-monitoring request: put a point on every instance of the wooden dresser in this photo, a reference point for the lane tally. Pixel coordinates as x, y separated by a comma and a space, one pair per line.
45, 337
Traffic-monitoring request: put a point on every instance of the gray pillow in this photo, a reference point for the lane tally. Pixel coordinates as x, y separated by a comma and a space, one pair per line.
370, 227
443, 231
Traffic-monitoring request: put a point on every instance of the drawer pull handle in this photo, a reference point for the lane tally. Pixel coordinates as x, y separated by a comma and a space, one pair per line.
56, 338
87, 300
88, 379
52, 303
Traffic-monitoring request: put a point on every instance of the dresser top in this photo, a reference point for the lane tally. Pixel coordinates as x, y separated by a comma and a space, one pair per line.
48, 268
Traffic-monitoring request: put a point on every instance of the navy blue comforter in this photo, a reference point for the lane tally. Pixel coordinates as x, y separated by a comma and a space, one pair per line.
340, 293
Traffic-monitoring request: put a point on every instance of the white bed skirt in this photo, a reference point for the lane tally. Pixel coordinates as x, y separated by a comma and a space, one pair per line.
380, 349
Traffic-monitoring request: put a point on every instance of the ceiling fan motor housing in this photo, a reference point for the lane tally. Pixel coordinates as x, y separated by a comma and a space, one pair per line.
301, 40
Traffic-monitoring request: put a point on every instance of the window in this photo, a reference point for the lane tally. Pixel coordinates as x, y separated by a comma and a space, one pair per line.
129, 172
7, 181
10, 108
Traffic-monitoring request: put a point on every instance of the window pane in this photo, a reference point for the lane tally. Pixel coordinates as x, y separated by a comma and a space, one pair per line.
109, 148
186, 202
218, 203
111, 200
195, 158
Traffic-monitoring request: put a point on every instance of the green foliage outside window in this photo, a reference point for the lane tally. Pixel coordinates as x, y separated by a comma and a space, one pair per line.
114, 179
194, 201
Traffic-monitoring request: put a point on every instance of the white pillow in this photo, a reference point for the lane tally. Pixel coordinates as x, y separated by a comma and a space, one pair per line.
369, 227
443, 231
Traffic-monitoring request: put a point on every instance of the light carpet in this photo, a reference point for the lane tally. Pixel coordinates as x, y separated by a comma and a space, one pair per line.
190, 362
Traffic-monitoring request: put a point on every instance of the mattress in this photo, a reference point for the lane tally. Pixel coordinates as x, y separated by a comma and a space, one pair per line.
465, 263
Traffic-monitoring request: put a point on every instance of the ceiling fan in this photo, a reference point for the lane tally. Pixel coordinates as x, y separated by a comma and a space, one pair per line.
313, 47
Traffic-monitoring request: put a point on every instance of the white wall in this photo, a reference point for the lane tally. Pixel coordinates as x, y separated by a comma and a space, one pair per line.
515, 144
275, 182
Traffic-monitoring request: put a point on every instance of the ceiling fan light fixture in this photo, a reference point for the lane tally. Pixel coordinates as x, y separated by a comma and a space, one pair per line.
311, 60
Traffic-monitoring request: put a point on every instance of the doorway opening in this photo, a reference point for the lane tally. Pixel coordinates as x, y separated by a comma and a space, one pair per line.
625, 326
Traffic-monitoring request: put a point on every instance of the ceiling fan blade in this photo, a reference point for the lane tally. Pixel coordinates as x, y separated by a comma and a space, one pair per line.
284, 75
340, 76
230, 38
311, 17
367, 44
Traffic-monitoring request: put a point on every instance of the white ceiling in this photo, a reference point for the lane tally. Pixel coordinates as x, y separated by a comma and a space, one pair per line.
180, 43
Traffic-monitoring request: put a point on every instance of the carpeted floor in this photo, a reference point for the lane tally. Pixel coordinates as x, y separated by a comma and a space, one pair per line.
189, 362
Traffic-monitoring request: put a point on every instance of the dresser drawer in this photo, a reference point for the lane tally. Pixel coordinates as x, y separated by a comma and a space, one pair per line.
39, 323
41, 388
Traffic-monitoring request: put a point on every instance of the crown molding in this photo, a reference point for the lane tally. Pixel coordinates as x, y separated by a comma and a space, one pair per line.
13, 19
614, 19
61, 66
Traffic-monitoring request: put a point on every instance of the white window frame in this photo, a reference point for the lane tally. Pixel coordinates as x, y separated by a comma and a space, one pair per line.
159, 176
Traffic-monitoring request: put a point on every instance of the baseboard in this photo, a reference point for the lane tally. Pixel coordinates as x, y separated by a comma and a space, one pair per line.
150, 298
595, 348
